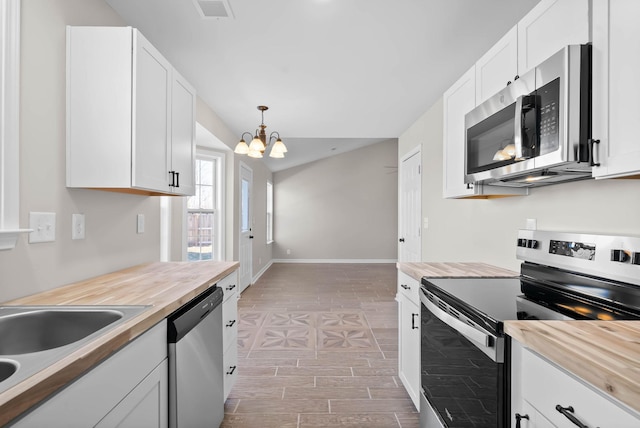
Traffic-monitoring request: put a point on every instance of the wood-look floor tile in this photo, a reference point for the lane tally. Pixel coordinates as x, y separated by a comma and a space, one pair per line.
253, 392
325, 392
253, 371
353, 420
283, 406
315, 371
370, 406
246, 420
408, 420
339, 298
382, 393
354, 381
274, 381
337, 362
375, 371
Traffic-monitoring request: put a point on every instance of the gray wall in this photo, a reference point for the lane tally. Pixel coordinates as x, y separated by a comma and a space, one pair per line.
486, 230
111, 239
343, 207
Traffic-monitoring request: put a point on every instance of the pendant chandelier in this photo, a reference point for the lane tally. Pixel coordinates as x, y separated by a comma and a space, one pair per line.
259, 142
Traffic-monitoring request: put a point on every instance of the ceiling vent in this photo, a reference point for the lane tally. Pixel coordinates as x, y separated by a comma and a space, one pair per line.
219, 9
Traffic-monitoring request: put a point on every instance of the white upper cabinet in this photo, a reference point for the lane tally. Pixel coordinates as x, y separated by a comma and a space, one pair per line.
616, 59
547, 28
458, 100
130, 115
498, 67
551, 25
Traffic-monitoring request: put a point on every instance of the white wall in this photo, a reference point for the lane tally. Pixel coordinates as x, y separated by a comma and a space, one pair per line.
111, 240
343, 207
485, 230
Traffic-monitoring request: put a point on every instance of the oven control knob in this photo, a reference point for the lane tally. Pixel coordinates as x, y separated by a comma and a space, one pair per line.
635, 259
532, 243
522, 242
619, 256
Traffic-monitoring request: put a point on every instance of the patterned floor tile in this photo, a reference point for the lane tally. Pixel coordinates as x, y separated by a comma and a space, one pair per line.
346, 339
280, 338
290, 319
341, 319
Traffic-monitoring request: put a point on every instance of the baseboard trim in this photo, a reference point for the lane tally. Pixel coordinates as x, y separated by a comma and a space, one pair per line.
257, 276
334, 261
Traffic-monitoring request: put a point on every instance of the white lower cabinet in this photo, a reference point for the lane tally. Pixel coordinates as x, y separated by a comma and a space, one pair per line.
129, 389
409, 335
549, 396
229, 285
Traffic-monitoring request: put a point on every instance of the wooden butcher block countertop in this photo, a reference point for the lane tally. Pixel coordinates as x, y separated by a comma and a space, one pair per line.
164, 287
417, 270
604, 353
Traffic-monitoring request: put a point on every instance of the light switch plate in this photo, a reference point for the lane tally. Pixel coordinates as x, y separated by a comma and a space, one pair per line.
44, 227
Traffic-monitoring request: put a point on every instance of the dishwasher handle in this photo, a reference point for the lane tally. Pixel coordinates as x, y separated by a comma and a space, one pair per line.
189, 315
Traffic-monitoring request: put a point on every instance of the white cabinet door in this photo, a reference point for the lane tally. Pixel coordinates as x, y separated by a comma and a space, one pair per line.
151, 138
616, 59
183, 135
458, 100
545, 386
550, 26
145, 406
498, 67
122, 118
409, 347
86, 401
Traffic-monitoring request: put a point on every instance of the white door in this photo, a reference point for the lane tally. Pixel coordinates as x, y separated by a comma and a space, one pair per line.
246, 219
410, 245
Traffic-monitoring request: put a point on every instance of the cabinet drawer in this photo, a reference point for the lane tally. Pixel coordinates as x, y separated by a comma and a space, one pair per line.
229, 285
229, 323
230, 369
545, 386
409, 287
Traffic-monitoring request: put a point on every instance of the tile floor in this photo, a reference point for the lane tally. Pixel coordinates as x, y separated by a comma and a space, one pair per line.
317, 347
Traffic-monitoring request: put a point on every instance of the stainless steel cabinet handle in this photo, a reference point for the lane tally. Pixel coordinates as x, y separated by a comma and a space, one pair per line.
466, 330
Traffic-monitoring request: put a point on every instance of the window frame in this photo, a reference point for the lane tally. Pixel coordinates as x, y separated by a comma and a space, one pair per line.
218, 209
269, 213
10, 124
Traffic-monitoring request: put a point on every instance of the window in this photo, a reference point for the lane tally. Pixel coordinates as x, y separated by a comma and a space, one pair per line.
269, 212
203, 208
9, 108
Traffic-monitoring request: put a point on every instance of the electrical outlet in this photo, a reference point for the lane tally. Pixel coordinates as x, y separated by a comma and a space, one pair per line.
77, 226
140, 221
44, 227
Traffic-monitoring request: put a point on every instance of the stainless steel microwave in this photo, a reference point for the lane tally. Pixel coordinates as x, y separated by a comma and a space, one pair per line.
537, 130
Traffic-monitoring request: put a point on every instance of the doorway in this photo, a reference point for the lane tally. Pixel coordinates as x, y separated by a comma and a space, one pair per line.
245, 247
410, 206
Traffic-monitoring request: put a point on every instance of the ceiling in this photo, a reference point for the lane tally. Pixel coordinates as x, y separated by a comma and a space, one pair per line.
336, 74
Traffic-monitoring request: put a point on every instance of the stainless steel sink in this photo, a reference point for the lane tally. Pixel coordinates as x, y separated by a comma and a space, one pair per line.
40, 330
34, 337
7, 368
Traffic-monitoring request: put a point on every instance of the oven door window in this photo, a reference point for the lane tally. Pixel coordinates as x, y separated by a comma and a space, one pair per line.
462, 384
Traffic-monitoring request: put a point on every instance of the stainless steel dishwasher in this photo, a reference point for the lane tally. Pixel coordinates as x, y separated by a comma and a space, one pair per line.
196, 383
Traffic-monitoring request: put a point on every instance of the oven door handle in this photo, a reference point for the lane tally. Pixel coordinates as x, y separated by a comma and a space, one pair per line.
466, 330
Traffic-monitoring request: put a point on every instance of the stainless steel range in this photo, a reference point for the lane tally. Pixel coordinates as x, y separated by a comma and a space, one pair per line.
465, 365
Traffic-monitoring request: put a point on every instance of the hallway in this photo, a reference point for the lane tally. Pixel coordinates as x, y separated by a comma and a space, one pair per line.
317, 347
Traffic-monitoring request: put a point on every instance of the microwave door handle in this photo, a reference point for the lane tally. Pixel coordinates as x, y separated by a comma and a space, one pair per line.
466, 330
517, 135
